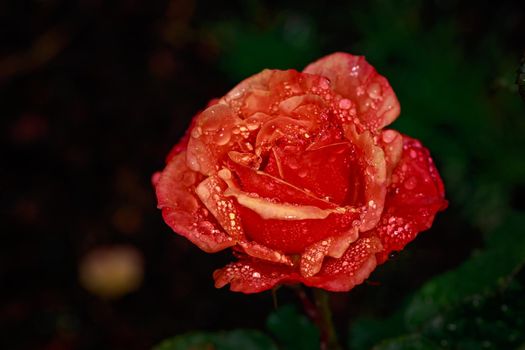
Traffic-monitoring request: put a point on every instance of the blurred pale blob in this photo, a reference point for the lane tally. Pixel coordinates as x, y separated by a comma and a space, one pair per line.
111, 271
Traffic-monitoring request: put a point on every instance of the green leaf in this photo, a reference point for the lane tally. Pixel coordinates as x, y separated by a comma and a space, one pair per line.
293, 330
411, 342
481, 275
365, 332
288, 42
233, 340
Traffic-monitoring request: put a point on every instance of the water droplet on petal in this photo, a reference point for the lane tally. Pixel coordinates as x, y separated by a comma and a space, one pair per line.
374, 91
292, 163
224, 174
389, 136
324, 84
345, 103
302, 173
223, 137
196, 132
410, 183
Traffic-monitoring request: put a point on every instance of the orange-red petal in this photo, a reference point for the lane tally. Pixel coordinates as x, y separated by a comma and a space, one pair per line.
414, 196
354, 78
183, 211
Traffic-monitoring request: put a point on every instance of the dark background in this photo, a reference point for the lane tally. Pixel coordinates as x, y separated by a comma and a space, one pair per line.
94, 93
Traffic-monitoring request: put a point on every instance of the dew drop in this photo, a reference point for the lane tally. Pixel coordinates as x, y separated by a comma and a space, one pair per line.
374, 91
223, 137
225, 174
302, 173
389, 136
324, 84
393, 254
205, 226
410, 183
196, 132
355, 71
345, 103
293, 163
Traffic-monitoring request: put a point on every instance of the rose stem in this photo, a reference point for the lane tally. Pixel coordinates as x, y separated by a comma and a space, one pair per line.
328, 334
321, 315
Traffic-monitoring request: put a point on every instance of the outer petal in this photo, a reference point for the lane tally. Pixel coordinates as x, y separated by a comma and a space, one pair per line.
392, 143
182, 145
254, 276
374, 178
341, 275
414, 196
212, 138
181, 209
354, 78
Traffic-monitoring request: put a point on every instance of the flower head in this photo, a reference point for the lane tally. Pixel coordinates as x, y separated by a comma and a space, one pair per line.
295, 173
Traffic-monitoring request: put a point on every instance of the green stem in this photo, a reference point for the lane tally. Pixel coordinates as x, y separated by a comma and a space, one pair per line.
328, 334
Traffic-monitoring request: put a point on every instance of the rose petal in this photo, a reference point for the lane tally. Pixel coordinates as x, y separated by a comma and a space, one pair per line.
268, 186
354, 78
336, 246
183, 212
373, 174
251, 276
327, 171
351, 269
313, 256
414, 197
211, 193
279, 128
261, 252
293, 236
392, 143
340, 243
254, 276
212, 138
236, 97
182, 145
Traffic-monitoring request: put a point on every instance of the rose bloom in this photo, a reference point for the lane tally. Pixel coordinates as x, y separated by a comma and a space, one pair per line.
295, 173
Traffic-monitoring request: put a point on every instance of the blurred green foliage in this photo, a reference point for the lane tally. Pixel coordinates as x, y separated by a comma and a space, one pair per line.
293, 330
289, 42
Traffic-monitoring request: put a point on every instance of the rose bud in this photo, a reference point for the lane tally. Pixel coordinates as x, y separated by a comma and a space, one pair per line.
295, 173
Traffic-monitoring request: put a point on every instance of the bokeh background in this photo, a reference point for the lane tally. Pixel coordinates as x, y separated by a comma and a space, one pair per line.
94, 93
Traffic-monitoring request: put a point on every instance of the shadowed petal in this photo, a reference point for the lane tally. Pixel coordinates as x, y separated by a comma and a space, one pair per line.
183, 211
413, 198
251, 276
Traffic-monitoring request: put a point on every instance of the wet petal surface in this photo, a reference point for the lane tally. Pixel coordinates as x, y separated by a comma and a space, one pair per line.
414, 196
354, 78
183, 211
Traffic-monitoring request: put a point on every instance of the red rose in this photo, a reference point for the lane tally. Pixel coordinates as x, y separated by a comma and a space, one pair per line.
295, 173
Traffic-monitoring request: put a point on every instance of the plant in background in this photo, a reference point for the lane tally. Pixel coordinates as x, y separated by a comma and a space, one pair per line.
520, 80
295, 173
